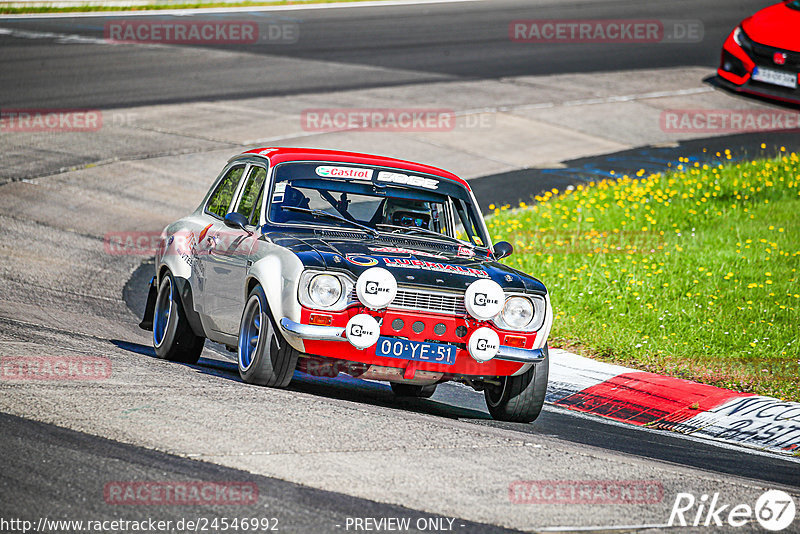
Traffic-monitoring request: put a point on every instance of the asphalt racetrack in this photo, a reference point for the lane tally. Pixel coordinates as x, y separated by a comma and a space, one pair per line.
341, 49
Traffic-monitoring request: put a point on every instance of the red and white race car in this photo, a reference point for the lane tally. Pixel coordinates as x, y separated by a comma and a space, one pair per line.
329, 262
762, 55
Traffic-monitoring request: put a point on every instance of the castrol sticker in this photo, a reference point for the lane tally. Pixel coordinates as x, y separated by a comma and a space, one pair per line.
344, 172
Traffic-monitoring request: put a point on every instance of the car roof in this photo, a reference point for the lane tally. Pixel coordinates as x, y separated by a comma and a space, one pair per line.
277, 155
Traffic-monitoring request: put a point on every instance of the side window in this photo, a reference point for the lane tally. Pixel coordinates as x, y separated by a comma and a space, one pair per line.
465, 226
220, 200
252, 191
257, 208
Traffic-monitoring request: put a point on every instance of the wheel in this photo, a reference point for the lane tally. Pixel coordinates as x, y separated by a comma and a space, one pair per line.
520, 398
412, 390
265, 357
173, 337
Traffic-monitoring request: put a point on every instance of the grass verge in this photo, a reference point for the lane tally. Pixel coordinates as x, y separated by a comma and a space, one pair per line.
692, 273
88, 8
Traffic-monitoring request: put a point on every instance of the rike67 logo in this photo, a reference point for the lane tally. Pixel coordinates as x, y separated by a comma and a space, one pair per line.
774, 510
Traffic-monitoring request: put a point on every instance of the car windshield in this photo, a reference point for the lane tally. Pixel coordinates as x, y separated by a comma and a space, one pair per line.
795, 4
385, 200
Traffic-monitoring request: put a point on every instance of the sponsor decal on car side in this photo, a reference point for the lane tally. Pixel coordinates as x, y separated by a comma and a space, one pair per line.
466, 252
203, 233
363, 261
188, 252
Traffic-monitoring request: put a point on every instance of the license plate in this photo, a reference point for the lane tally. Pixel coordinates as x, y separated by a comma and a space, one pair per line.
775, 77
419, 351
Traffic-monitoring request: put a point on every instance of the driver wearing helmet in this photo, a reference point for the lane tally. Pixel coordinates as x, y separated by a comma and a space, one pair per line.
403, 212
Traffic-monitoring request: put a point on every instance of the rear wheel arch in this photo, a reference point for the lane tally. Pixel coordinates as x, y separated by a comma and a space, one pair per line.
174, 338
186, 297
162, 272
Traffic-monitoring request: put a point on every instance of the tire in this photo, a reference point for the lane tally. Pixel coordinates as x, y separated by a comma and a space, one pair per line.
412, 390
265, 357
173, 337
520, 398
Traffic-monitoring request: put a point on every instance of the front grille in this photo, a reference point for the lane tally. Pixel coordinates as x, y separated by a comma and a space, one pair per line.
424, 300
764, 54
429, 301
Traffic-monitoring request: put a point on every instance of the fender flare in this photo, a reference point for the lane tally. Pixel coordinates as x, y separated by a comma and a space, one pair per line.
278, 273
185, 294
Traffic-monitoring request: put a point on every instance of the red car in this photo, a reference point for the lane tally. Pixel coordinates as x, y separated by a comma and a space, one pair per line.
762, 55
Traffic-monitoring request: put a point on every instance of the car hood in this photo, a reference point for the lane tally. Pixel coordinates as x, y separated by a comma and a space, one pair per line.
776, 26
413, 262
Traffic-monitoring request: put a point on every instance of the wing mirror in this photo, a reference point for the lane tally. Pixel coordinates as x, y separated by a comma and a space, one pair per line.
236, 220
502, 249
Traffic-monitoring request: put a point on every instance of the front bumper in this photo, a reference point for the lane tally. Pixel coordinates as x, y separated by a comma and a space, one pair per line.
336, 334
736, 69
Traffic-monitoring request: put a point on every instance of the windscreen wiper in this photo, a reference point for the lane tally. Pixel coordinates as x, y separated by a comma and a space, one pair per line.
417, 229
325, 214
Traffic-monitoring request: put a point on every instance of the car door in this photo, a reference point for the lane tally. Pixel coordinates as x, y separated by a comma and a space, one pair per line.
217, 206
228, 253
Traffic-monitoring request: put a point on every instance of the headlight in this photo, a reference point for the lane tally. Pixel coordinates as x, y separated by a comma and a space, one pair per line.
525, 313
325, 290
741, 38
518, 312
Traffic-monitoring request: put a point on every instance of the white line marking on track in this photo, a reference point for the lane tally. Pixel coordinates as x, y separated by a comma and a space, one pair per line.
63, 38
245, 9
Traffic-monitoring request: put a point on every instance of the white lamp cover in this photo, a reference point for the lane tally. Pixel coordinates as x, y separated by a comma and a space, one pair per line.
484, 343
484, 299
362, 331
376, 288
